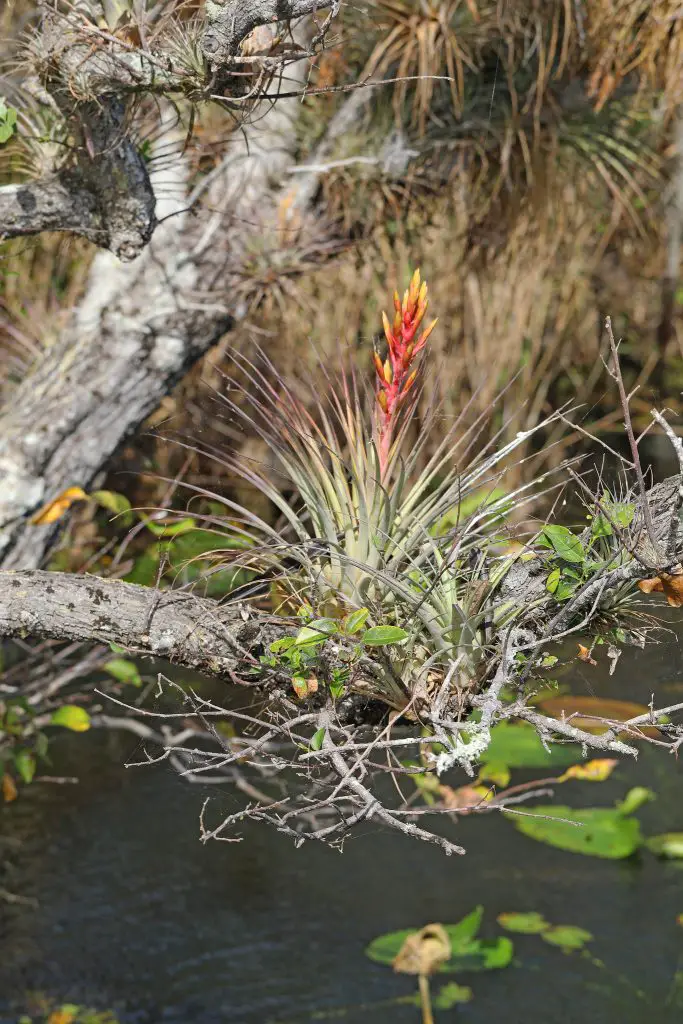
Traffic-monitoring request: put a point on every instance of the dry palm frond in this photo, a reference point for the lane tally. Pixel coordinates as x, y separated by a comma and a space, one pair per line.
641, 38
430, 39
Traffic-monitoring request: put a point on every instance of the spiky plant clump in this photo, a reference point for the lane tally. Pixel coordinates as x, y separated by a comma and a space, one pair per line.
369, 518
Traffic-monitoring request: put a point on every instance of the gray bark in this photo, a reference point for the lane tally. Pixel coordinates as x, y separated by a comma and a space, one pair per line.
190, 631
230, 21
107, 197
137, 331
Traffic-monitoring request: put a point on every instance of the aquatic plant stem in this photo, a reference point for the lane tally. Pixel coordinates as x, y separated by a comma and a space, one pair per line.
425, 999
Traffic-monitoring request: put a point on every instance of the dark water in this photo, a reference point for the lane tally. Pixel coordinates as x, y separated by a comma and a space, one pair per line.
133, 912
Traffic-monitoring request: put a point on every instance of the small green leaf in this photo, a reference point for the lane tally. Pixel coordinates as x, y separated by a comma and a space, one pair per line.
337, 690
25, 763
123, 670
564, 543
567, 936
70, 716
8, 120
532, 923
317, 739
553, 580
355, 621
670, 844
170, 529
116, 503
282, 645
381, 636
316, 632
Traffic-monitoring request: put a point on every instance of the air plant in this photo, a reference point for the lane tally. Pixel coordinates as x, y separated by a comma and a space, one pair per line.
369, 517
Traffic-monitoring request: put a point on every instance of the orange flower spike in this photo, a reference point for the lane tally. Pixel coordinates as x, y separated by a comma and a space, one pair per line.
388, 375
414, 290
378, 366
382, 399
397, 302
422, 341
409, 383
387, 330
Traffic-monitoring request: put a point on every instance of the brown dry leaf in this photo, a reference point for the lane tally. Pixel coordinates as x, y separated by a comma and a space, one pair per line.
304, 687
56, 508
464, 796
424, 952
592, 771
9, 789
585, 655
587, 709
670, 585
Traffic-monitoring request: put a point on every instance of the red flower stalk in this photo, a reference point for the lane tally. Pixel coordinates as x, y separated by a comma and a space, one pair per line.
396, 375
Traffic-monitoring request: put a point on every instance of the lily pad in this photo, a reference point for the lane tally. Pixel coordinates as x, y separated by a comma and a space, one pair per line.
467, 952
519, 746
595, 831
567, 936
669, 844
531, 923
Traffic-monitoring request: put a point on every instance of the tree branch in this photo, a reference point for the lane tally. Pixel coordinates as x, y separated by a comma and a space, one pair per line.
230, 21
191, 631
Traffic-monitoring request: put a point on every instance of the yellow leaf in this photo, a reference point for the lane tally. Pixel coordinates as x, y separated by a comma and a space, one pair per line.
424, 952
9, 789
63, 1016
591, 771
56, 508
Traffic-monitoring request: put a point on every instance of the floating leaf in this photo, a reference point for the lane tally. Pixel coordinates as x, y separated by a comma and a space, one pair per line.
564, 543
25, 763
531, 923
467, 952
595, 831
9, 788
70, 716
669, 844
56, 508
567, 936
634, 799
586, 709
124, 670
519, 746
423, 952
450, 995
381, 636
592, 771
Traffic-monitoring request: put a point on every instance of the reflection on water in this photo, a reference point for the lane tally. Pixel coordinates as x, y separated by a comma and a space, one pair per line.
133, 912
